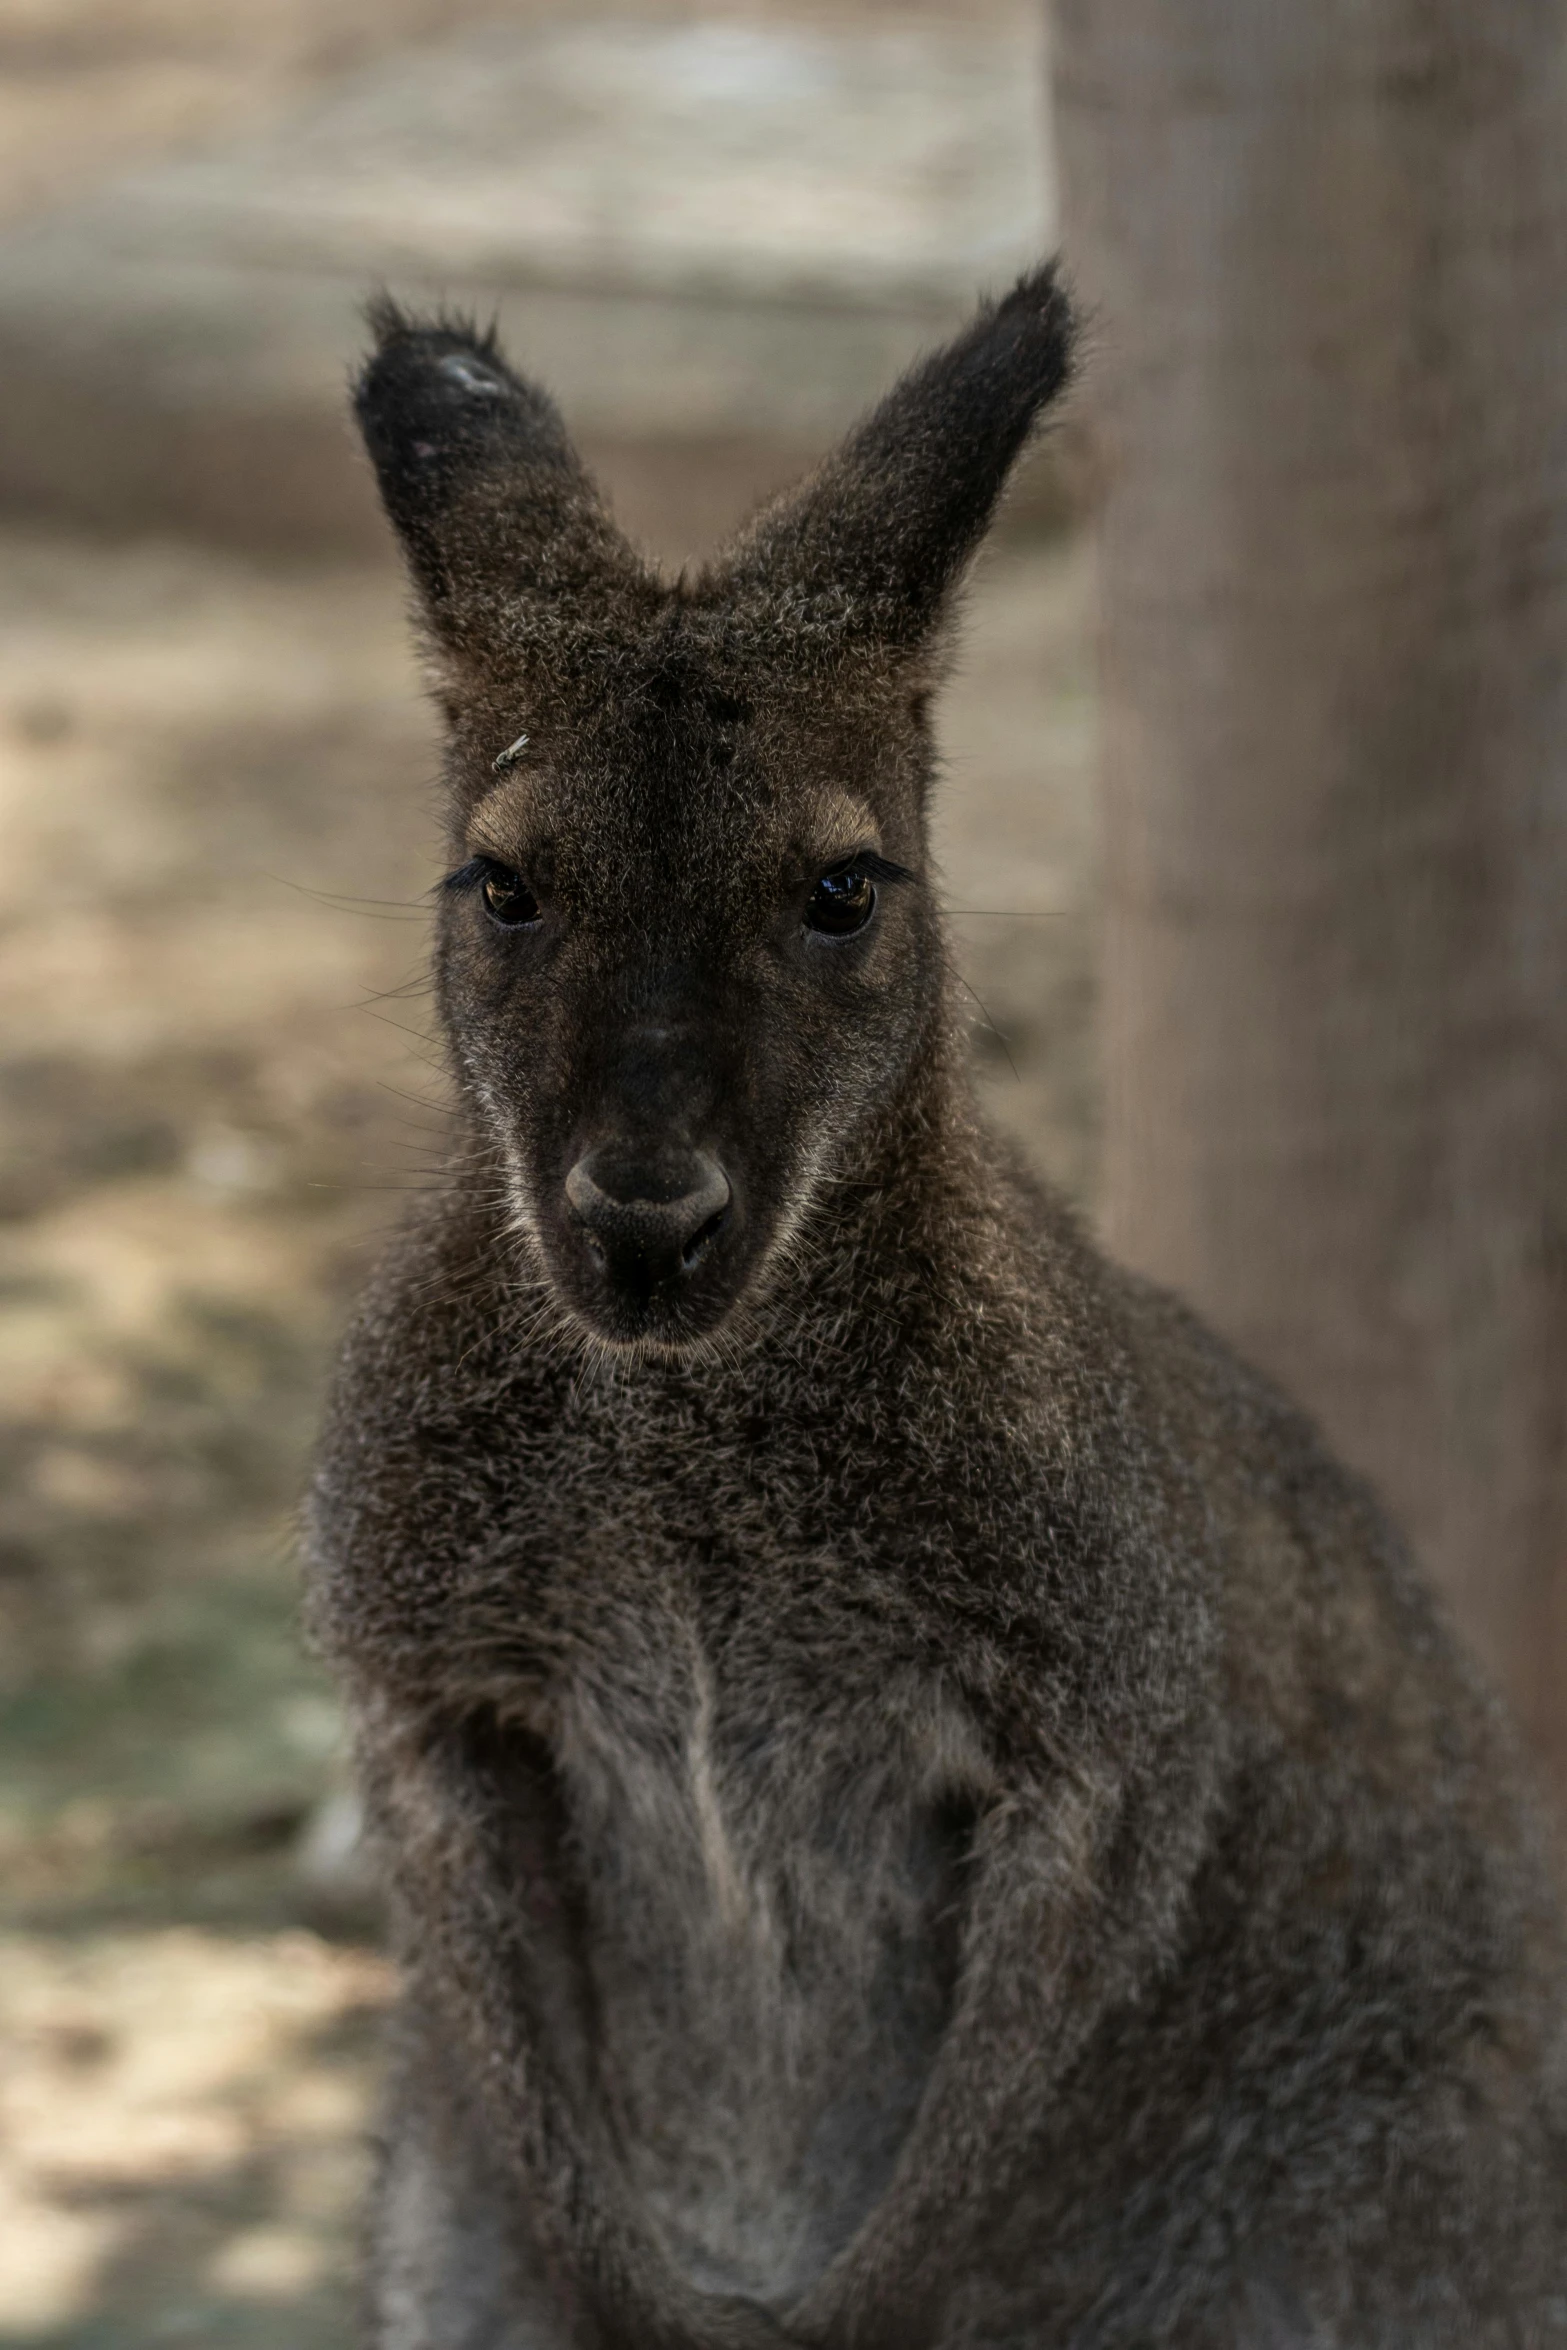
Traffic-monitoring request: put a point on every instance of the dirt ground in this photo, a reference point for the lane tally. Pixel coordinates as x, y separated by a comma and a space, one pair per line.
215, 1091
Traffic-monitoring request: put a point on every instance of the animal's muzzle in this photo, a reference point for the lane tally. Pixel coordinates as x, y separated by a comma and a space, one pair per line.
650, 1218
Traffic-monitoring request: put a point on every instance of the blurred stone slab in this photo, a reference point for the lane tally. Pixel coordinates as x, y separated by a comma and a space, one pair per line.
712, 241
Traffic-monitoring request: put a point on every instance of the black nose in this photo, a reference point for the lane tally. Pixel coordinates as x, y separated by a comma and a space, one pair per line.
649, 1218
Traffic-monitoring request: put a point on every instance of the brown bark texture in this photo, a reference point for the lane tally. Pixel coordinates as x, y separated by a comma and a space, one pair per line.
1325, 243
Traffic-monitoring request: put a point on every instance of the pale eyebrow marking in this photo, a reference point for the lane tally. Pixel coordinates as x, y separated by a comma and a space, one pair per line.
496, 816
503, 759
846, 824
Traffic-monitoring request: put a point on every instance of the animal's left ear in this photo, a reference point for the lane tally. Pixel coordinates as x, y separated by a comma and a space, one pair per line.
870, 546
497, 514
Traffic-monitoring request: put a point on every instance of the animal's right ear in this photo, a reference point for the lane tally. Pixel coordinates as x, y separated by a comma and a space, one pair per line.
501, 524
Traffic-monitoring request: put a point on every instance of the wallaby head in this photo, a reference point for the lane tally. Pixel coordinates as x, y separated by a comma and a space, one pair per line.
688, 948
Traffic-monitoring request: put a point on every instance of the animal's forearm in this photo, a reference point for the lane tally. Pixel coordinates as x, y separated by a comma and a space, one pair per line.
486, 1971
1045, 1957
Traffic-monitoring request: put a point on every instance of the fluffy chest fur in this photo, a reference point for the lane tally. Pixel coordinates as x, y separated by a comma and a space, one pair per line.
738, 1776
768, 1942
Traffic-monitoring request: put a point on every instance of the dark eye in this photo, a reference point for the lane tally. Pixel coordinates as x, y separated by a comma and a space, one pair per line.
841, 902
507, 898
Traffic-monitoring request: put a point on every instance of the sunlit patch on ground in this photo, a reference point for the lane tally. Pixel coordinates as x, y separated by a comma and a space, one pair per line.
182, 2136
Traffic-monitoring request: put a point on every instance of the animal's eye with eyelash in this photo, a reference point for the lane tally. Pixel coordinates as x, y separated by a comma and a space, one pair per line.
842, 902
507, 898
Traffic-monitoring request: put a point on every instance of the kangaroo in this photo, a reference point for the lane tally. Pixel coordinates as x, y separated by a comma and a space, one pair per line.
920, 1807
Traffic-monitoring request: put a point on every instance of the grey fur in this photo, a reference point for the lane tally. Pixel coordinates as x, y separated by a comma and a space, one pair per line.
921, 1807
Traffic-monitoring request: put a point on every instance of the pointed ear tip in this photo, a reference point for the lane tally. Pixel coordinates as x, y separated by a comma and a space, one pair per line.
386, 317
1042, 297
404, 339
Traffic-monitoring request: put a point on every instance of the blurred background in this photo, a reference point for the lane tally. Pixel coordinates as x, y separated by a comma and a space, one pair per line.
1253, 835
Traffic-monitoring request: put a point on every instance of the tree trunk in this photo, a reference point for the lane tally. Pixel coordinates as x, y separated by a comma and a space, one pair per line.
1326, 242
